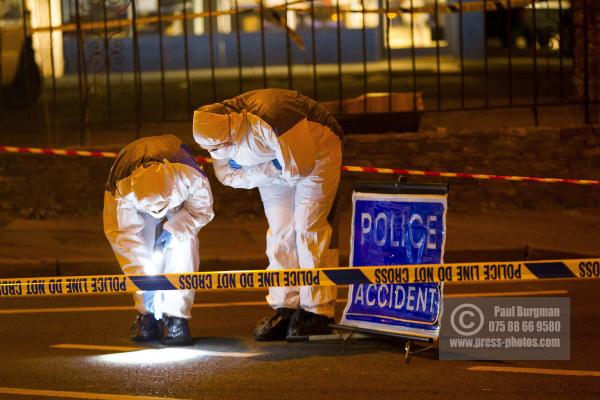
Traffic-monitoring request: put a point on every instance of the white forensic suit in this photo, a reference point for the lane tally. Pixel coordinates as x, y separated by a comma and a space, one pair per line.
156, 184
256, 128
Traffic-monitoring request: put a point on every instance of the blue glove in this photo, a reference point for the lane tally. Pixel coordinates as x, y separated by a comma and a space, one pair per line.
276, 164
234, 165
164, 239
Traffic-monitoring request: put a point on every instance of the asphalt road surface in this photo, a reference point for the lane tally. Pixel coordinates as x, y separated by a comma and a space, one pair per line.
78, 347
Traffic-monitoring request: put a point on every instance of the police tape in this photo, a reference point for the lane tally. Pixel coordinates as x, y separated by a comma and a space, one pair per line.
463, 175
347, 168
75, 153
238, 280
58, 152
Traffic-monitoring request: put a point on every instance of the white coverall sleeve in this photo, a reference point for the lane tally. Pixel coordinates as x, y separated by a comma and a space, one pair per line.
247, 177
123, 228
197, 210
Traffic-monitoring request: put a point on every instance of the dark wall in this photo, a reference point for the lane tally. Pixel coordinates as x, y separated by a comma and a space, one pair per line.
39, 186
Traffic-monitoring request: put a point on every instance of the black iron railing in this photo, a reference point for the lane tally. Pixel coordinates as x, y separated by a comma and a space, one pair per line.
119, 64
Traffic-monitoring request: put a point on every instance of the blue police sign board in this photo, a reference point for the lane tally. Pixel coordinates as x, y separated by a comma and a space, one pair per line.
397, 229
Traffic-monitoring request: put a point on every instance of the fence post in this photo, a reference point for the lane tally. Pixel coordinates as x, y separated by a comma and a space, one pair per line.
586, 18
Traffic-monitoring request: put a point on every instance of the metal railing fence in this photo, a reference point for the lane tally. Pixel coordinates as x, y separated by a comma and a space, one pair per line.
125, 63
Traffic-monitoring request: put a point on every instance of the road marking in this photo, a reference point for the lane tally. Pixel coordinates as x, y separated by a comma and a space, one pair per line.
540, 371
94, 347
507, 294
258, 303
76, 395
124, 349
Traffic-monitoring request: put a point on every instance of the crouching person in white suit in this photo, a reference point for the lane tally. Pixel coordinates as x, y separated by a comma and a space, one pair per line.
156, 200
289, 147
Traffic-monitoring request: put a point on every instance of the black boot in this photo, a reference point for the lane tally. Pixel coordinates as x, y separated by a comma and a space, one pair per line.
305, 323
145, 328
274, 327
175, 331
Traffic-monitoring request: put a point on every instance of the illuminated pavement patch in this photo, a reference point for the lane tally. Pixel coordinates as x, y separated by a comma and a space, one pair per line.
130, 355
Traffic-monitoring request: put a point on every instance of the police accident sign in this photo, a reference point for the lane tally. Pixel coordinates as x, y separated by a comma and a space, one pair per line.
396, 229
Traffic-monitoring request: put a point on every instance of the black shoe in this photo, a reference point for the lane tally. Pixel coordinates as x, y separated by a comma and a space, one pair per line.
305, 323
175, 331
145, 328
274, 327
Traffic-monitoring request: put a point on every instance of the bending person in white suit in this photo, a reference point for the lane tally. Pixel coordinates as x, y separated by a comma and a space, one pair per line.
156, 200
289, 147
